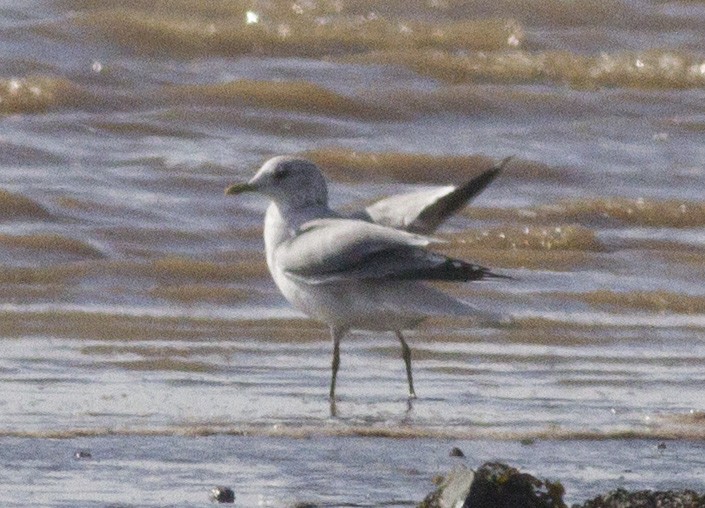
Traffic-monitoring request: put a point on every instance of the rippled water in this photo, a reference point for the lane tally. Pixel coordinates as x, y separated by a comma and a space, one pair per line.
137, 316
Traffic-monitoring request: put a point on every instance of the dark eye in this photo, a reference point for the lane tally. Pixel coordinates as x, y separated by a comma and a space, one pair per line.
281, 172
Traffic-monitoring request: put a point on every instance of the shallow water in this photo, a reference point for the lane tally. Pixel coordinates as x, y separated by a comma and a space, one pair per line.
129, 471
137, 316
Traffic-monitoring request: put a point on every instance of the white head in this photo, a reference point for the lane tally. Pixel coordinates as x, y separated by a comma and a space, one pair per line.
289, 181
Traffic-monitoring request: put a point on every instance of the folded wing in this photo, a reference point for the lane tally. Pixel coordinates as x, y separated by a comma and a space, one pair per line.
331, 250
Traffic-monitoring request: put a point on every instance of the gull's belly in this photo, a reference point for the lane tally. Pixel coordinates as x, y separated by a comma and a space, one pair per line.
360, 305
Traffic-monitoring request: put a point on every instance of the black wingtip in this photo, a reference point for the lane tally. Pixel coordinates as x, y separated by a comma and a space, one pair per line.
505, 161
493, 275
497, 168
433, 216
475, 186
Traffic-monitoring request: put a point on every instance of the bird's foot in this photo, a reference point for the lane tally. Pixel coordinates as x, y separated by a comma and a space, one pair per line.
410, 405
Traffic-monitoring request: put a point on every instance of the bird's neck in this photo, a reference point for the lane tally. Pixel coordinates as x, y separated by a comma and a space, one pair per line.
275, 232
292, 218
281, 224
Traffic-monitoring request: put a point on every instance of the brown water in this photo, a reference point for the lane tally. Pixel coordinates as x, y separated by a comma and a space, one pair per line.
137, 316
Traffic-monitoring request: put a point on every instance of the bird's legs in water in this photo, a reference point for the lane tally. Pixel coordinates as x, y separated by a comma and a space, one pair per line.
406, 353
336, 334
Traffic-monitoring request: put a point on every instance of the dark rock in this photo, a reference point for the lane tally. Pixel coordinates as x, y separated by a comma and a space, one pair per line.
222, 495
456, 452
82, 454
501, 486
621, 498
661, 446
495, 485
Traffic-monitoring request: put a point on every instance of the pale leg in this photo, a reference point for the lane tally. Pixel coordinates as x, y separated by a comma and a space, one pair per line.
406, 353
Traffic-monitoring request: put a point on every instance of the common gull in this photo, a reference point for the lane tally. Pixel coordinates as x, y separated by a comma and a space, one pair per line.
353, 273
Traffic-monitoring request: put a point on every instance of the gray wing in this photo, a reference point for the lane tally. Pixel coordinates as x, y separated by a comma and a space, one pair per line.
423, 211
331, 250
332, 245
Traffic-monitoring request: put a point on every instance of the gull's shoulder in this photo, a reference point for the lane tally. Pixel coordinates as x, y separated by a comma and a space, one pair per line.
343, 230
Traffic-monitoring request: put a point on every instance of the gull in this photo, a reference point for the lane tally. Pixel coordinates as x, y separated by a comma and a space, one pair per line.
357, 272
